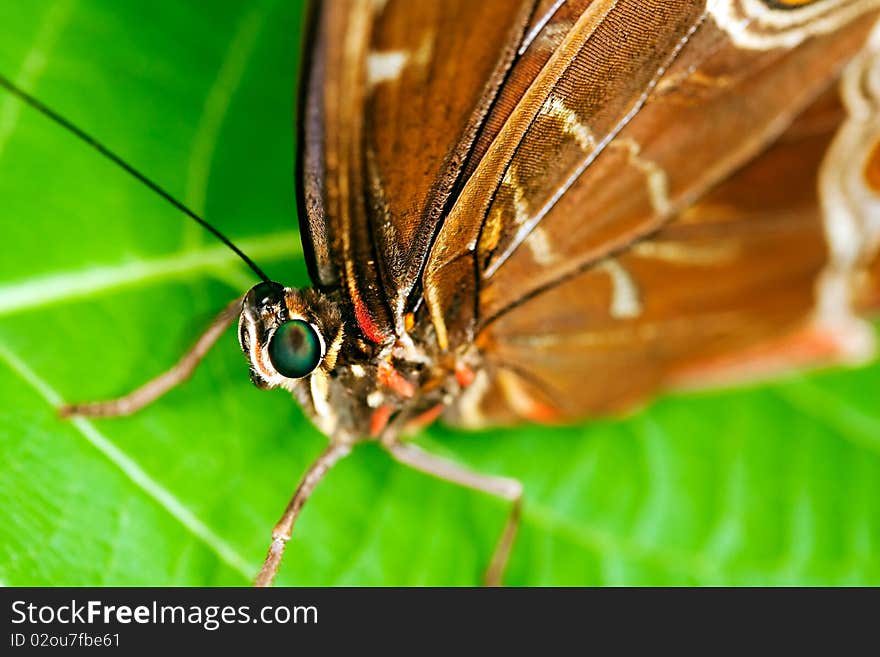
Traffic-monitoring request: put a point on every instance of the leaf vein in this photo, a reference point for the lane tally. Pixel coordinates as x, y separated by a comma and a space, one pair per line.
49, 289
134, 472
33, 66
213, 114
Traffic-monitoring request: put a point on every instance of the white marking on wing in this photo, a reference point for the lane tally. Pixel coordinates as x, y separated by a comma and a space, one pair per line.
572, 125
753, 25
688, 254
538, 30
520, 205
385, 66
625, 301
537, 241
561, 189
388, 65
655, 176
851, 210
542, 250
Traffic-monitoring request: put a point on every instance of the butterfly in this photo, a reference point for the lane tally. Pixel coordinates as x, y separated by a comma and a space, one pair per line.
545, 211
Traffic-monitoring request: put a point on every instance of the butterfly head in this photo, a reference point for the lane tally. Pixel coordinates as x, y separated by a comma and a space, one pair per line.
296, 340
288, 335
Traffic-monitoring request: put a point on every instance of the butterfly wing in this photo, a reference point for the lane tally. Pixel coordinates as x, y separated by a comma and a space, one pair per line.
394, 96
589, 186
727, 289
595, 284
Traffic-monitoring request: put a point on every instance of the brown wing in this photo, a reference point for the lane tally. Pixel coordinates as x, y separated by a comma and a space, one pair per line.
611, 55
729, 289
620, 292
614, 135
869, 299
850, 179
395, 94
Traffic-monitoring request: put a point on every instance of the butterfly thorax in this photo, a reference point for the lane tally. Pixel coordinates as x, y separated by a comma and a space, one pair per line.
353, 389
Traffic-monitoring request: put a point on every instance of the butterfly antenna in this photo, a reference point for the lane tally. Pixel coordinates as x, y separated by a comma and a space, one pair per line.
113, 157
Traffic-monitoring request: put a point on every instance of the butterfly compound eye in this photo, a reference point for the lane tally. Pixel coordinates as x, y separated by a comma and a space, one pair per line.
265, 293
295, 349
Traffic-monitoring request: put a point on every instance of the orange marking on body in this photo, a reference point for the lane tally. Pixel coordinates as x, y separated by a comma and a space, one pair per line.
426, 418
538, 412
365, 320
392, 379
464, 375
379, 419
522, 401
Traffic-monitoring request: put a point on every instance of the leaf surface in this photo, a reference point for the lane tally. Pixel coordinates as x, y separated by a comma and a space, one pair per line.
103, 285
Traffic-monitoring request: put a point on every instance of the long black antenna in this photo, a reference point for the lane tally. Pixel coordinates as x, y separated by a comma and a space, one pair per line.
113, 157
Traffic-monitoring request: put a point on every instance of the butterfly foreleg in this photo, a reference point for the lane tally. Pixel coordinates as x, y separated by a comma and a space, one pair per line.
284, 528
155, 388
503, 487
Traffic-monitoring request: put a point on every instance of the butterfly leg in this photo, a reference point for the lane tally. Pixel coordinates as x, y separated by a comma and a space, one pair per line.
508, 489
284, 529
155, 388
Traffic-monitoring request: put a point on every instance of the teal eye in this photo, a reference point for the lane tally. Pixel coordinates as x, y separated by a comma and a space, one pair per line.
295, 349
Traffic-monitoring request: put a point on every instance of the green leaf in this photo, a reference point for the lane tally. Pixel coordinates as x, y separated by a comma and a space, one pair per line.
103, 285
